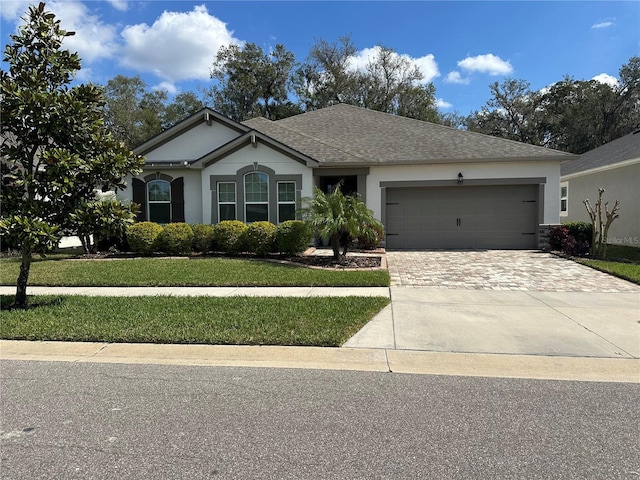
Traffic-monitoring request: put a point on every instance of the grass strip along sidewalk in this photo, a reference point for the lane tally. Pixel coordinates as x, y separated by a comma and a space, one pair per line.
319, 321
203, 272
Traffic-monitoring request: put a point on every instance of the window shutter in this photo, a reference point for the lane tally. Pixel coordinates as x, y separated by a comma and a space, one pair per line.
177, 200
140, 197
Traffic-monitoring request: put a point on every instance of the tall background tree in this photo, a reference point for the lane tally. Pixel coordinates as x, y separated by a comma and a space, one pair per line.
571, 115
134, 114
253, 83
56, 149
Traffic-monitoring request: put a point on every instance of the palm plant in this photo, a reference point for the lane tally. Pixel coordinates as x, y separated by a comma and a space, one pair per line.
337, 219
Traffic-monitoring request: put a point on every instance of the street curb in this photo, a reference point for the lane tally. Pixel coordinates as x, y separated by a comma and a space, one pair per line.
323, 358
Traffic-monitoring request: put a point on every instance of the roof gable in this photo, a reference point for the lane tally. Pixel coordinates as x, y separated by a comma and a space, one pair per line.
206, 115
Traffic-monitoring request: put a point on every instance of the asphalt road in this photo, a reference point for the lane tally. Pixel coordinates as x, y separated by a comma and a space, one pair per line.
113, 421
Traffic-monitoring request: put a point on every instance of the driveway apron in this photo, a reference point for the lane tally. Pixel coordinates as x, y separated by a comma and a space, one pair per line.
505, 302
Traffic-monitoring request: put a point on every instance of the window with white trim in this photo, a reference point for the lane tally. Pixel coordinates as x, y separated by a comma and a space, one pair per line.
564, 199
159, 201
286, 201
256, 197
227, 201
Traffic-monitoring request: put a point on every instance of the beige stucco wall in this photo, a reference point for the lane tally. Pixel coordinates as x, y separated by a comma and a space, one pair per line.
470, 171
622, 184
194, 143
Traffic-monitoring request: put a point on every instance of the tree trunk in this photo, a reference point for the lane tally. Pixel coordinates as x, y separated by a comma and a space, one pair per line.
23, 278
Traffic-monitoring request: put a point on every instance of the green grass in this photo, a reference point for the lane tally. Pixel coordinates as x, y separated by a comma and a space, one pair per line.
326, 321
631, 254
628, 271
628, 268
60, 271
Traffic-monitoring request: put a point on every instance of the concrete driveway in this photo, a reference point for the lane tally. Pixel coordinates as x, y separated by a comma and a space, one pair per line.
506, 302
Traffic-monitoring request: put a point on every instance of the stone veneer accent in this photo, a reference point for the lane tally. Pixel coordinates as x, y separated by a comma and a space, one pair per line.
543, 236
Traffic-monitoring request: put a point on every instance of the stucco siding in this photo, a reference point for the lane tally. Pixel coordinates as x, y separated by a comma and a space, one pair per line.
193, 144
470, 171
622, 184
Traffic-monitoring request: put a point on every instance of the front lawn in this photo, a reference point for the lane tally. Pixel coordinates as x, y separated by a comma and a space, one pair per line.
206, 272
628, 271
628, 267
316, 321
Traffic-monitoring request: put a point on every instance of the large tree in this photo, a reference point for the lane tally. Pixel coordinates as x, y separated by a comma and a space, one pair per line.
571, 115
389, 82
253, 83
55, 147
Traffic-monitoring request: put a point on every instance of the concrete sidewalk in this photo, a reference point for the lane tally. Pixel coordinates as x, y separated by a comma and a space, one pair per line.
371, 360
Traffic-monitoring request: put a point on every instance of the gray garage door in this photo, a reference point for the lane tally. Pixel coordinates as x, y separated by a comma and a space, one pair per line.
499, 217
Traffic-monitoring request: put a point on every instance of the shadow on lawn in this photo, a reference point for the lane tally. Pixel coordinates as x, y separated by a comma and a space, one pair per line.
6, 302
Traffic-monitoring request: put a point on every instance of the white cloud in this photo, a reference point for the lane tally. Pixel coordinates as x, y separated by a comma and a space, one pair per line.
488, 63
178, 46
602, 25
14, 9
606, 79
168, 87
93, 39
427, 64
440, 103
121, 5
455, 77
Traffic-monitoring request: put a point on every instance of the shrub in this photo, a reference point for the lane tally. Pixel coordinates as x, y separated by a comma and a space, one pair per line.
371, 235
570, 238
557, 236
175, 239
228, 236
293, 237
581, 231
142, 236
260, 238
202, 237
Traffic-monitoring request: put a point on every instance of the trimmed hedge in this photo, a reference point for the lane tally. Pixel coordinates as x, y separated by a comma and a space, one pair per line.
260, 238
202, 237
142, 236
292, 237
371, 235
228, 236
175, 239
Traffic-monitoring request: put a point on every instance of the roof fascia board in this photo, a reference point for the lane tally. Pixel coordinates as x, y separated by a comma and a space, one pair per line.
204, 115
605, 168
445, 161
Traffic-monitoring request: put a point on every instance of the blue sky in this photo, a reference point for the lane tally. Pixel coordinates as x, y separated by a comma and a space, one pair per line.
461, 47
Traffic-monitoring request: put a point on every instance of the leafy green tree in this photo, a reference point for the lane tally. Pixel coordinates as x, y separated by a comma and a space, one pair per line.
326, 78
56, 149
183, 105
253, 83
338, 219
102, 220
571, 115
133, 114
390, 82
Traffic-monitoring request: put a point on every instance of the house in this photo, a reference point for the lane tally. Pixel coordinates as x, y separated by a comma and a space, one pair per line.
432, 186
615, 167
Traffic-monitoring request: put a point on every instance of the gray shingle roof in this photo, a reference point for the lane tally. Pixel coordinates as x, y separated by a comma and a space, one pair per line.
620, 150
348, 135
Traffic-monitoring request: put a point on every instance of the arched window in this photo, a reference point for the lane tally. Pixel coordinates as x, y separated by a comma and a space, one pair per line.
256, 196
159, 201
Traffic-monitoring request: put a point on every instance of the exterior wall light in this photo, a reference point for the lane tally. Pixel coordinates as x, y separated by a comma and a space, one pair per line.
460, 178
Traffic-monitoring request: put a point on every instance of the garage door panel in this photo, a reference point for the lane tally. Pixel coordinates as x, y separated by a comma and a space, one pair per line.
462, 217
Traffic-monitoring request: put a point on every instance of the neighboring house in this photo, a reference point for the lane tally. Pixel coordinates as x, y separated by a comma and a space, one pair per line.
615, 167
432, 186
